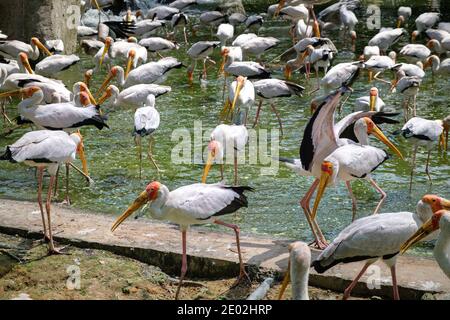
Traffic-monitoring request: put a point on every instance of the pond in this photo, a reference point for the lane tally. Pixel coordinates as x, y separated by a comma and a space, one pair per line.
274, 206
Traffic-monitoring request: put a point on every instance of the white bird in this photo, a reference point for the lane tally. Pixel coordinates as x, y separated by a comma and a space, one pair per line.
182, 4
318, 58
444, 26
249, 69
438, 66
340, 74
180, 20
56, 116
225, 141
84, 31
225, 32
243, 39
152, 72
440, 46
384, 40
258, 45
146, 121
270, 89
298, 271
254, 22
415, 52
191, 204
372, 238
295, 13
55, 46
212, 18
349, 21
372, 102
45, 149
409, 88
117, 51
230, 55
439, 221
377, 65
147, 27
200, 51
162, 12
427, 133
237, 18
240, 99
158, 44
132, 97
411, 69
12, 48
370, 51
91, 46
423, 22
404, 13
55, 63
3, 36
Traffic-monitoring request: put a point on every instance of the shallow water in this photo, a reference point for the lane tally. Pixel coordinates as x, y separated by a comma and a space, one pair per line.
273, 207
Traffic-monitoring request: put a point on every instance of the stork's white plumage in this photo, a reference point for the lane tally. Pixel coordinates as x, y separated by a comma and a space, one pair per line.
182, 4
295, 13
225, 141
161, 12
225, 32
212, 18
372, 102
404, 13
410, 69
147, 27
438, 66
158, 44
132, 97
237, 18
12, 48
425, 21
191, 204
258, 45
384, 40
372, 238
254, 22
241, 98
349, 21
408, 86
200, 50
340, 74
242, 39
249, 69
45, 149
56, 63
415, 52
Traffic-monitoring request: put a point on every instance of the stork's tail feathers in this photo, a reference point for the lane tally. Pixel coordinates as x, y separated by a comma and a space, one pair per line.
7, 156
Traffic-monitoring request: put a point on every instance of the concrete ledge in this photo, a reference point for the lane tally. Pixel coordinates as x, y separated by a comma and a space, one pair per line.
211, 254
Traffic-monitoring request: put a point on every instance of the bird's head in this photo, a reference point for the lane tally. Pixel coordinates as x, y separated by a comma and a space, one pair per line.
436, 203
108, 43
131, 57
132, 40
400, 21
84, 88
35, 41
326, 175
111, 75
372, 128
84, 99
106, 95
88, 76
414, 35
150, 193
23, 92
23, 58
427, 228
224, 53
373, 98
240, 82
214, 149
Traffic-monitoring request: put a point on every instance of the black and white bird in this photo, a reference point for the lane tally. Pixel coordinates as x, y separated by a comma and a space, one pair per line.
192, 204
385, 39
200, 51
132, 97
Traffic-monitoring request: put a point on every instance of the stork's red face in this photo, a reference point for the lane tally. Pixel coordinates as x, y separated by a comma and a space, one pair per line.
373, 129
224, 53
25, 62
149, 194
84, 99
111, 75
428, 227
436, 203
131, 57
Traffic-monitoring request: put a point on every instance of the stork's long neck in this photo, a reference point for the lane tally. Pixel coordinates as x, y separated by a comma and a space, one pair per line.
442, 252
156, 207
34, 54
299, 278
29, 104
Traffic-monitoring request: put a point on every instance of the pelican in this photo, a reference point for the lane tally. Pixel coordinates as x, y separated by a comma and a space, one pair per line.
423, 22
46, 149
146, 121
152, 72
427, 133
384, 40
371, 238
404, 13
270, 89
200, 51
225, 32
225, 139
438, 66
12, 48
132, 97
56, 116
298, 270
191, 204
439, 221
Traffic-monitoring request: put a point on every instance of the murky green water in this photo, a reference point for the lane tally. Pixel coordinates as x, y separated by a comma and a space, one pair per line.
273, 208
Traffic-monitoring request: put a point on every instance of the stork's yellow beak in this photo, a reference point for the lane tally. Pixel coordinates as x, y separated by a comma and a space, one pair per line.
43, 48
105, 96
89, 93
286, 280
139, 202
380, 135
130, 61
105, 51
280, 6
208, 165
372, 102
82, 156
239, 85
427, 228
327, 169
105, 83
11, 93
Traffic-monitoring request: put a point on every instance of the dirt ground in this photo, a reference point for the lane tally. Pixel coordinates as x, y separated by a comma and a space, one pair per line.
27, 271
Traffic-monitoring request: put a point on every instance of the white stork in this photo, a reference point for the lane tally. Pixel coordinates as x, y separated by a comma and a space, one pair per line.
200, 51
258, 45
415, 52
349, 21
242, 39
146, 121
212, 18
191, 204
225, 32
158, 44
45, 149
242, 96
162, 12
12, 48
384, 40
372, 102
224, 140
132, 97
372, 238
342, 73
409, 88
404, 13
423, 22
55, 63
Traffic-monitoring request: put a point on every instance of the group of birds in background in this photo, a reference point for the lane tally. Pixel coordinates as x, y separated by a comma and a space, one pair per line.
130, 47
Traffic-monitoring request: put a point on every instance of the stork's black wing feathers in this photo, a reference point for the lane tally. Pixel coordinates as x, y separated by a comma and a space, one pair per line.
122, 29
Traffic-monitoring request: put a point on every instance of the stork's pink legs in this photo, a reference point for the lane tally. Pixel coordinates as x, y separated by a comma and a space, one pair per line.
242, 273
383, 195
394, 283
349, 289
183, 263
52, 249
350, 191
258, 111
41, 207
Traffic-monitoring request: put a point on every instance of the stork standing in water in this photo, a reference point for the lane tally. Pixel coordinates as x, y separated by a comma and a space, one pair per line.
439, 221
372, 238
242, 95
46, 149
428, 133
200, 51
192, 204
146, 121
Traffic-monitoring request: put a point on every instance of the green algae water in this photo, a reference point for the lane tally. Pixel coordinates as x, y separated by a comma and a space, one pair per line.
274, 206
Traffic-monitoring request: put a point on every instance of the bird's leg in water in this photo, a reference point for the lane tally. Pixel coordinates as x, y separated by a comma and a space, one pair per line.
405, 109
183, 263
349, 289
67, 198
138, 142
277, 114
150, 155
379, 79
41, 207
235, 169
427, 166
414, 105
185, 36
204, 69
243, 275
52, 249
383, 195
55, 191
320, 241
5, 116
413, 166
394, 283
258, 111
352, 196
